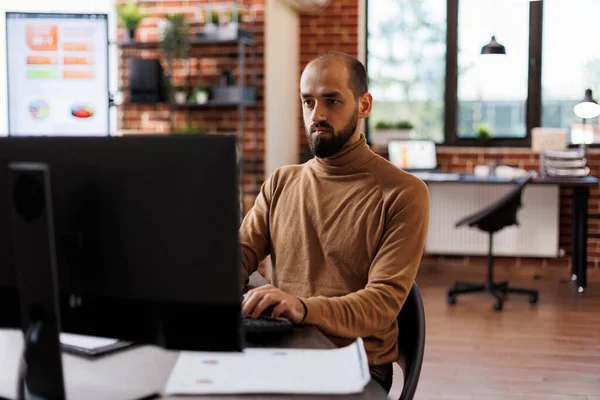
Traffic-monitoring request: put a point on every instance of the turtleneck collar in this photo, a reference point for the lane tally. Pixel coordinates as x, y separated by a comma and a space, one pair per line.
350, 157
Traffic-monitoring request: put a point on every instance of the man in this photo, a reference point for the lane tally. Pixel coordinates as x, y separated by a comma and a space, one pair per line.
345, 231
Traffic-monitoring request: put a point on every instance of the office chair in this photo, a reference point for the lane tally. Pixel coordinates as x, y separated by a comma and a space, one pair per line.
411, 341
492, 219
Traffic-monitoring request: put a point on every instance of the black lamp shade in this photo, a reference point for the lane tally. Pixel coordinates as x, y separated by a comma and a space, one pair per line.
588, 97
493, 47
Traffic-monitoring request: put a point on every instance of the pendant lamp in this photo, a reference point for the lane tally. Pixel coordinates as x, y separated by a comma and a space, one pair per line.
493, 47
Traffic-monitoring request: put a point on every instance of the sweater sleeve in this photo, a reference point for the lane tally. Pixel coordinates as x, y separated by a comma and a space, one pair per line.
391, 275
254, 232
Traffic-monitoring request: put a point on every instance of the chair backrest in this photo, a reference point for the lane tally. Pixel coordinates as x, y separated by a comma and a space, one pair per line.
501, 213
411, 341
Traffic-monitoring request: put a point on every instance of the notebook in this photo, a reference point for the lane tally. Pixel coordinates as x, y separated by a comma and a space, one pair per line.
91, 346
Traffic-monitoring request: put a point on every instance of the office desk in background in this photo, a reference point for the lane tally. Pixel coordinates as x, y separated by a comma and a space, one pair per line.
138, 373
580, 189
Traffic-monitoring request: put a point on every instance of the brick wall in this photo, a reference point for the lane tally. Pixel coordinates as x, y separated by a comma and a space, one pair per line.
336, 29
456, 159
205, 66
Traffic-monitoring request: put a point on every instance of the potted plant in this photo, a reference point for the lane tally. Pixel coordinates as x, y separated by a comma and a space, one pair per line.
117, 98
230, 29
211, 22
130, 15
484, 133
175, 37
180, 95
235, 15
200, 94
386, 131
175, 44
404, 125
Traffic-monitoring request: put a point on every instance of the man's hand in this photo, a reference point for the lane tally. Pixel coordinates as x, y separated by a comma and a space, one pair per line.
259, 299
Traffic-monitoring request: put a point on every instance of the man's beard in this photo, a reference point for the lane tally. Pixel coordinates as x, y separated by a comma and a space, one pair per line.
324, 146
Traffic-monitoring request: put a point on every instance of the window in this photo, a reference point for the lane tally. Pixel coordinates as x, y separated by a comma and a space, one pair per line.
551, 59
406, 64
570, 60
492, 89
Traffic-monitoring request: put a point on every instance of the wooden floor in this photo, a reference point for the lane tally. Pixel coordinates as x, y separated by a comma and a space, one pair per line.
550, 351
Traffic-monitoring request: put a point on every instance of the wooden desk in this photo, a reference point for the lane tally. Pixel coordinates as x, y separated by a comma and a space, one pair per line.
580, 188
140, 373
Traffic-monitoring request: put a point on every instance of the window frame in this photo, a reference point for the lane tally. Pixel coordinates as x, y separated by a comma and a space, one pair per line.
534, 81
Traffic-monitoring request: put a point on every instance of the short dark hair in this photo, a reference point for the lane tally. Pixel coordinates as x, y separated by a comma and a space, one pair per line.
358, 73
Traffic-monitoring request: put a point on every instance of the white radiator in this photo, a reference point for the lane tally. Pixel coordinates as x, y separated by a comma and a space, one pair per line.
535, 236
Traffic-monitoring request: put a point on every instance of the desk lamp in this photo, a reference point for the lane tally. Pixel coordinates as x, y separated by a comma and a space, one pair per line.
587, 108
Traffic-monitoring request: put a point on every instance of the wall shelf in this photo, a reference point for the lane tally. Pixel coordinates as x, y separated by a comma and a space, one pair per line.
199, 40
194, 106
214, 104
245, 94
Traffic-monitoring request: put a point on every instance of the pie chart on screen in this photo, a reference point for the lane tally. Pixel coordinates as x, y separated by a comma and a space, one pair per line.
82, 111
39, 109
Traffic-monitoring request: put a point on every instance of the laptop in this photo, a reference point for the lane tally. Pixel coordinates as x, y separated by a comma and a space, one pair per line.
418, 157
413, 154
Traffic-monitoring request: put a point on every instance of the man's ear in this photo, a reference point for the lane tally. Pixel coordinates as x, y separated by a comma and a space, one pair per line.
365, 103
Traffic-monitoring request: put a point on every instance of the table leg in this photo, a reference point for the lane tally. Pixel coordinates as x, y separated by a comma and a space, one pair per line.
574, 235
580, 196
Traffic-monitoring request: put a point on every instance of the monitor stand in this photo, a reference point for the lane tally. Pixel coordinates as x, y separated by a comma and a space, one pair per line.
40, 372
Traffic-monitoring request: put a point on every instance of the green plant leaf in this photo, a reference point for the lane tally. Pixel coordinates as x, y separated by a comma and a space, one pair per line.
130, 15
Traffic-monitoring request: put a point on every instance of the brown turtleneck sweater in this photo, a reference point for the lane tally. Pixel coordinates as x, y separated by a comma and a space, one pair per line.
345, 235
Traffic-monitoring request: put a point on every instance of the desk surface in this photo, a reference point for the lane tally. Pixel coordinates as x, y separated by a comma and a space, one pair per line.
431, 177
141, 372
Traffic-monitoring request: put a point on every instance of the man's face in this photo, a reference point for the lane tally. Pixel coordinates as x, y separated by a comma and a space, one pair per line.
329, 108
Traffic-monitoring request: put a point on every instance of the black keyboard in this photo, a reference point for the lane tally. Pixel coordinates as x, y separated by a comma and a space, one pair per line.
266, 324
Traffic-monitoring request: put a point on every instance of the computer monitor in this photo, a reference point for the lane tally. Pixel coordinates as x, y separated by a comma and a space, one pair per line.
57, 73
414, 154
146, 237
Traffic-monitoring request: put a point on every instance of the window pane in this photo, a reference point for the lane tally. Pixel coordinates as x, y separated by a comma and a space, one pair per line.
492, 89
570, 59
406, 63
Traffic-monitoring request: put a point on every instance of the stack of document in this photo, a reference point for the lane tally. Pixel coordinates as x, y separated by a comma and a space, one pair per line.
571, 163
255, 370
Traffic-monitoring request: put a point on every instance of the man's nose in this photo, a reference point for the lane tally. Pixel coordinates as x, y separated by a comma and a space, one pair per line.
319, 113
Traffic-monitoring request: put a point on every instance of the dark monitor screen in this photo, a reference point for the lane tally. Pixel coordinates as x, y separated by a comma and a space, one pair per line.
146, 232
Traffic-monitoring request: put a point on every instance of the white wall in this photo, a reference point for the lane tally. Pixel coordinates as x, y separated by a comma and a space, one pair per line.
71, 6
282, 98
362, 42
362, 30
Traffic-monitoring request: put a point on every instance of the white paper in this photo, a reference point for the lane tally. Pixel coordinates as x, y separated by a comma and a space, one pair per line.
436, 176
86, 342
269, 370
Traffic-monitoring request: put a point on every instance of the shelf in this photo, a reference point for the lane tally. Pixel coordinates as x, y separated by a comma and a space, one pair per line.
197, 41
228, 96
213, 104
192, 106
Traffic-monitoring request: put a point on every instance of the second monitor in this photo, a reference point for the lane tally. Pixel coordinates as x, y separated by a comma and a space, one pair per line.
146, 232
